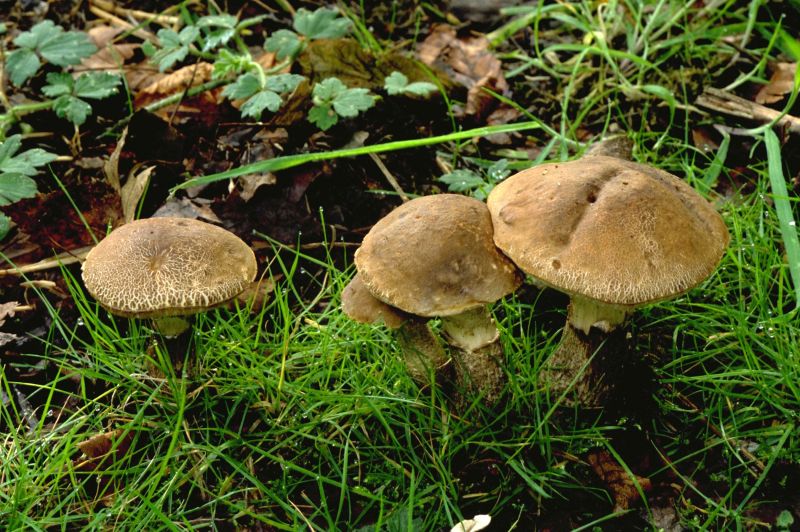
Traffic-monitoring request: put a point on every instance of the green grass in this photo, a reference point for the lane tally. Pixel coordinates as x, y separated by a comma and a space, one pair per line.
294, 417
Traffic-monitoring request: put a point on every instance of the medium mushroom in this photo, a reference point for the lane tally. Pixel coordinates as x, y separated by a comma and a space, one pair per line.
163, 268
434, 257
613, 235
422, 352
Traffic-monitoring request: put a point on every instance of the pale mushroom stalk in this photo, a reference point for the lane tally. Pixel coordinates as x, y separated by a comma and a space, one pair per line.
479, 353
579, 362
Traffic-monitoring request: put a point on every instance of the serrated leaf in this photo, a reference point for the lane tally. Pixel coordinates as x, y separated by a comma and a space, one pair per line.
37, 34
149, 49
420, 88
323, 116
14, 187
260, 101
327, 90
461, 180
283, 82
67, 48
26, 163
245, 86
322, 23
221, 29
96, 85
395, 83
58, 84
8, 148
21, 64
498, 170
174, 46
283, 43
352, 101
5, 225
73, 109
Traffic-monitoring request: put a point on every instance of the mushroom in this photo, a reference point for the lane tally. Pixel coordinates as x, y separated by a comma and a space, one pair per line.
421, 351
434, 257
613, 235
164, 268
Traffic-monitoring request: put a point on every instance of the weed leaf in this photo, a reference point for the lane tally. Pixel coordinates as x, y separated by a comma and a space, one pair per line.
58, 84
73, 109
322, 23
21, 64
244, 87
96, 85
323, 116
283, 82
15, 186
397, 83
283, 43
260, 101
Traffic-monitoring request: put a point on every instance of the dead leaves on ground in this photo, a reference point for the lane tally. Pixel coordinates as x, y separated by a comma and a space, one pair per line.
624, 489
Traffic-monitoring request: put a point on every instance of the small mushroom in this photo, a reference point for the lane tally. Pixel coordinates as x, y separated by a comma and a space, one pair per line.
164, 268
434, 257
613, 235
422, 352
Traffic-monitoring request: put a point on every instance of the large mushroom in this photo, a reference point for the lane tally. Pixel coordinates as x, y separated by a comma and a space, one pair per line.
163, 268
434, 257
422, 352
613, 235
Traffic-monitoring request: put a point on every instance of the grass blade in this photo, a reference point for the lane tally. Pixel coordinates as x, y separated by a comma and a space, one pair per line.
783, 209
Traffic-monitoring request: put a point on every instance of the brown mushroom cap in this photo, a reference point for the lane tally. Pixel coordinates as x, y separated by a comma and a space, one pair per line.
360, 305
434, 256
167, 266
612, 230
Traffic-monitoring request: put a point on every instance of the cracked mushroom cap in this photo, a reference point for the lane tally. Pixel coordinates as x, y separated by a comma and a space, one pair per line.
434, 256
360, 305
166, 267
608, 229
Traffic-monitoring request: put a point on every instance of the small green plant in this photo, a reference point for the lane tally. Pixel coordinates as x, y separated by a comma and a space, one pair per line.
16, 170
333, 99
46, 42
262, 92
784, 521
464, 181
67, 95
397, 83
322, 23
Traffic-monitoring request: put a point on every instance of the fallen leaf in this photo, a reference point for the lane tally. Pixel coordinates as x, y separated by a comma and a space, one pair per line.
780, 84
469, 62
623, 488
132, 191
197, 208
111, 166
7, 311
175, 82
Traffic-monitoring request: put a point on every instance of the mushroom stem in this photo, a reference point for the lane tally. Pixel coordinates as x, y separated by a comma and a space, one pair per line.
580, 362
422, 352
478, 353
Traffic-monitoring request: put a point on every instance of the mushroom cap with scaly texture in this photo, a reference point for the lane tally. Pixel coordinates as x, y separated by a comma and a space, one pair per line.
611, 230
167, 267
434, 256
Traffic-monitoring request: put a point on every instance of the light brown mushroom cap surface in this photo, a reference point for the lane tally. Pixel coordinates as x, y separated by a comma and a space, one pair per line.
434, 256
360, 305
608, 229
167, 266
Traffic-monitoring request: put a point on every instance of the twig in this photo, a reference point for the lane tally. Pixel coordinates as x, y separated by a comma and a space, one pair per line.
389, 177
168, 20
62, 259
135, 30
727, 103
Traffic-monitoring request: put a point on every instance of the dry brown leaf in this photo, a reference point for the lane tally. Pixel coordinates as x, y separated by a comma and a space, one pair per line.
7, 311
469, 62
622, 487
175, 82
780, 84
197, 208
111, 166
132, 191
